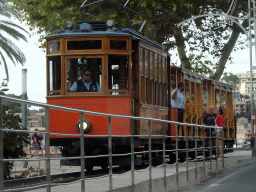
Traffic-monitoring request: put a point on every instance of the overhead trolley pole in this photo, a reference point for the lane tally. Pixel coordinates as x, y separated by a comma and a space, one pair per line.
252, 47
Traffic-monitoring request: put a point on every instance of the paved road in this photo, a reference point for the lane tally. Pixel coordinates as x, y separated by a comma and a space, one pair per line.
240, 178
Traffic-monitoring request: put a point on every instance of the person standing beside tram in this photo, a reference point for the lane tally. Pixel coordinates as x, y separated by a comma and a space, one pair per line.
178, 100
36, 143
219, 123
209, 120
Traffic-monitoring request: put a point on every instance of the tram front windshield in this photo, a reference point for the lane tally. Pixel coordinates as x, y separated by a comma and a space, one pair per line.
84, 74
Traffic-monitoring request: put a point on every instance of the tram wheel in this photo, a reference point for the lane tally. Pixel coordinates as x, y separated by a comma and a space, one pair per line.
192, 156
182, 158
104, 166
89, 168
172, 158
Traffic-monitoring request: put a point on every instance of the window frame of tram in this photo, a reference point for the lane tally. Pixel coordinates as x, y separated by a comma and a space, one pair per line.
118, 74
91, 44
117, 44
153, 77
75, 66
217, 96
54, 46
54, 75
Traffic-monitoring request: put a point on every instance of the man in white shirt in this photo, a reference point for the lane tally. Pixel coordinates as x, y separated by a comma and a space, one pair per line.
178, 100
86, 84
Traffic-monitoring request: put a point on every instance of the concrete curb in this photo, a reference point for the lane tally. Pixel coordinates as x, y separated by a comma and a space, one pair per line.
158, 183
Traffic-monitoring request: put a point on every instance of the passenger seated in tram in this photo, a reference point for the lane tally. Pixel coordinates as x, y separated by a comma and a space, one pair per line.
85, 84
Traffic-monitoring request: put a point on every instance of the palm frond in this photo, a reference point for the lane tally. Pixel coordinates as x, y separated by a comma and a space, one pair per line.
8, 28
5, 66
13, 30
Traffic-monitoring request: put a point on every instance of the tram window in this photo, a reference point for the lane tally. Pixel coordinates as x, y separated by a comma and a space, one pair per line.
54, 64
205, 95
117, 73
192, 92
141, 62
187, 94
156, 67
54, 46
223, 100
146, 63
84, 74
118, 44
217, 98
164, 71
82, 45
151, 65
159, 69
160, 95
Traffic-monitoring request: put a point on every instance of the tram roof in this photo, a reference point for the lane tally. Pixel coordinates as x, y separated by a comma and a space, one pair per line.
108, 32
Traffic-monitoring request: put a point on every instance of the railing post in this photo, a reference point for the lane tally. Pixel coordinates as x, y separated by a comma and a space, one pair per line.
47, 150
210, 150
195, 128
217, 155
177, 157
222, 136
164, 156
82, 151
150, 155
110, 154
24, 107
132, 155
204, 151
187, 152
1, 148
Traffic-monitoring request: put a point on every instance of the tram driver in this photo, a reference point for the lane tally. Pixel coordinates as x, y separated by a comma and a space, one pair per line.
85, 84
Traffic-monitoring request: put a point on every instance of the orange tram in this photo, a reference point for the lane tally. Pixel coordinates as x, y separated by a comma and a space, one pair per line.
135, 79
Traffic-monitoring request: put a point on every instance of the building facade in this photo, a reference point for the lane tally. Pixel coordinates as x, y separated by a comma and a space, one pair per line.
244, 85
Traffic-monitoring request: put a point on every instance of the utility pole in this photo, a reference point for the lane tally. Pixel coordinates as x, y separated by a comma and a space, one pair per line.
252, 47
24, 106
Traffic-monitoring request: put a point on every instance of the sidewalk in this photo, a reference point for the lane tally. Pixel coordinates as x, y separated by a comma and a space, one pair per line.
122, 182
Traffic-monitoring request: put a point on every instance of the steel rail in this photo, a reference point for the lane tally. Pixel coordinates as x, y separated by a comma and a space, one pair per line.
28, 102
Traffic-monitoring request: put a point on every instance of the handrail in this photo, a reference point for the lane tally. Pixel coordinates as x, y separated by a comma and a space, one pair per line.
28, 102
150, 151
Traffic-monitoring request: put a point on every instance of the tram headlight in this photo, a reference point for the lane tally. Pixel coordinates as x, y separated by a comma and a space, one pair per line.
110, 23
69, 25
87, 125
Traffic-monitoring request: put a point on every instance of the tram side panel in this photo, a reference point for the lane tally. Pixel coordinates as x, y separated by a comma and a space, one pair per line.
66, 122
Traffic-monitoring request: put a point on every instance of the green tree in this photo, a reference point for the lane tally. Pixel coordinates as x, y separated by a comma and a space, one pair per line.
246, 96
203, 45
8, 28
13, 142
231, 78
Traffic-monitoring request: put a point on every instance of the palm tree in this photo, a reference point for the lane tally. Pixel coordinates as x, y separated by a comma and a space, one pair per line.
7, 47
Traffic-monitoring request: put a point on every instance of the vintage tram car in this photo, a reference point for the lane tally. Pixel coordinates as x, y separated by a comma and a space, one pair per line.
136, 79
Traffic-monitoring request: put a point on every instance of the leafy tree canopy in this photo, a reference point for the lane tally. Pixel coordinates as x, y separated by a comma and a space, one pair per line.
203, 45
231, 78
13, 142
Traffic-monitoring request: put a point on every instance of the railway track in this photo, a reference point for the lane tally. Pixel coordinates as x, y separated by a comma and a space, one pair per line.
55, 179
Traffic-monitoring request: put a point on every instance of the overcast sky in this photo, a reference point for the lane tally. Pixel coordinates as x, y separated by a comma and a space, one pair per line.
36, 69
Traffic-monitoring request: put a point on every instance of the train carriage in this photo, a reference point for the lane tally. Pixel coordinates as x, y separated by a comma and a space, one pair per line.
131, 71
131, 75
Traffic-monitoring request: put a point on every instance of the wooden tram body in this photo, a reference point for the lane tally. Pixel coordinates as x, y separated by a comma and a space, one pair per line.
136, 78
